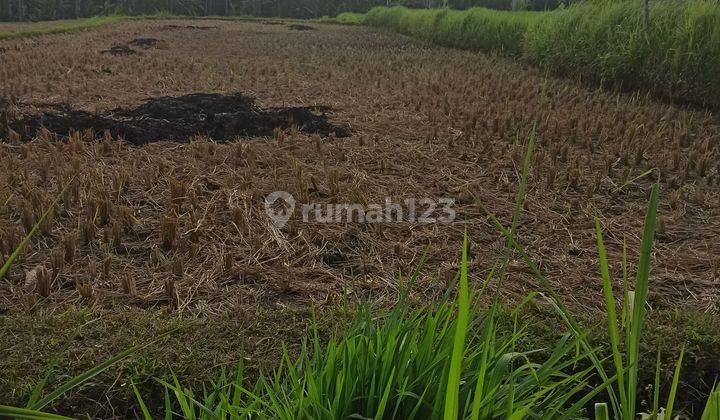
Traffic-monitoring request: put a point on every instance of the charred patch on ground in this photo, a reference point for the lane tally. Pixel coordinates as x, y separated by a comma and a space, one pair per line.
299, 27
119, 50
144, 42
216, 116
125, 50
190, 27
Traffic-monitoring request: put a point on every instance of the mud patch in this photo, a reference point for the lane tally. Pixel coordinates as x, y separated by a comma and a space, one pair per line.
219, 117
272, 22
119, 50
191, 27
298, 27
144, 42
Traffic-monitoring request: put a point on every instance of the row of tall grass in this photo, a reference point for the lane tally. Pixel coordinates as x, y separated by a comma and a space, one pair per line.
476, 29
448, 361
57, 27
347, 18
675, 54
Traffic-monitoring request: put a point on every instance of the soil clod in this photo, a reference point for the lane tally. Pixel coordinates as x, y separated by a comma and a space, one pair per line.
216, 116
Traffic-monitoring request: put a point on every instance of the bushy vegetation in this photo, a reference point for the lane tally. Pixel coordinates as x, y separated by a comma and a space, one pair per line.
347, 18
476, 29
675, 54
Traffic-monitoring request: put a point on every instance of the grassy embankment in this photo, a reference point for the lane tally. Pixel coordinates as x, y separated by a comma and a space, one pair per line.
675, 54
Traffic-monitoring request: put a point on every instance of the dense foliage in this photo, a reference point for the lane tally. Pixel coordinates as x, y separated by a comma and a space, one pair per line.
675, 54
475, 29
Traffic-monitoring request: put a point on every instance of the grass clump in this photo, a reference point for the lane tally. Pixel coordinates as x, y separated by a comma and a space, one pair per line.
476, 29
347, 18
410, 364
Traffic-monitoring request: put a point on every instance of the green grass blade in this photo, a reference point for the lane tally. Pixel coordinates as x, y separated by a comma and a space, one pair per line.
640, 299
454, 375
522, 189
40, 386
674, 386
141, 402
386, 395
712, 409
610, 303
89, 374
602, 412
83, 377
559, 307
29, 414
488, 334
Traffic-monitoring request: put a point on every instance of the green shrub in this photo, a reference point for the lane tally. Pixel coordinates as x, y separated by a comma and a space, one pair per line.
676, 55
475, 29
346, 18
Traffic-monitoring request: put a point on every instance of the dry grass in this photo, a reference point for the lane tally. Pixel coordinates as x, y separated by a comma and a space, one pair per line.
184, 225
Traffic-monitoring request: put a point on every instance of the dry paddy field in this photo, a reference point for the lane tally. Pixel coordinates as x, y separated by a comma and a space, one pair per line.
158, 227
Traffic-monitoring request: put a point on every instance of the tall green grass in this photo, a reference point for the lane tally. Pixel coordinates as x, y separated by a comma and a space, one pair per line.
346, 18
56, 27
676, 55
474, 29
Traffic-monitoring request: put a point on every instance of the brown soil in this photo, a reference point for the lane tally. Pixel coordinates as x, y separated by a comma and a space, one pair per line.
426, 122
182, 226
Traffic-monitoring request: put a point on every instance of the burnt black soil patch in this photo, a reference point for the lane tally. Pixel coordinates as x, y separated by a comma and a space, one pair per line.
190, 27
219, 117
144, 42
298, 27
119, 50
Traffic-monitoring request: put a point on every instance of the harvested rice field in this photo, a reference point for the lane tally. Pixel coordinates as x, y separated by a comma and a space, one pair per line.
155, 144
